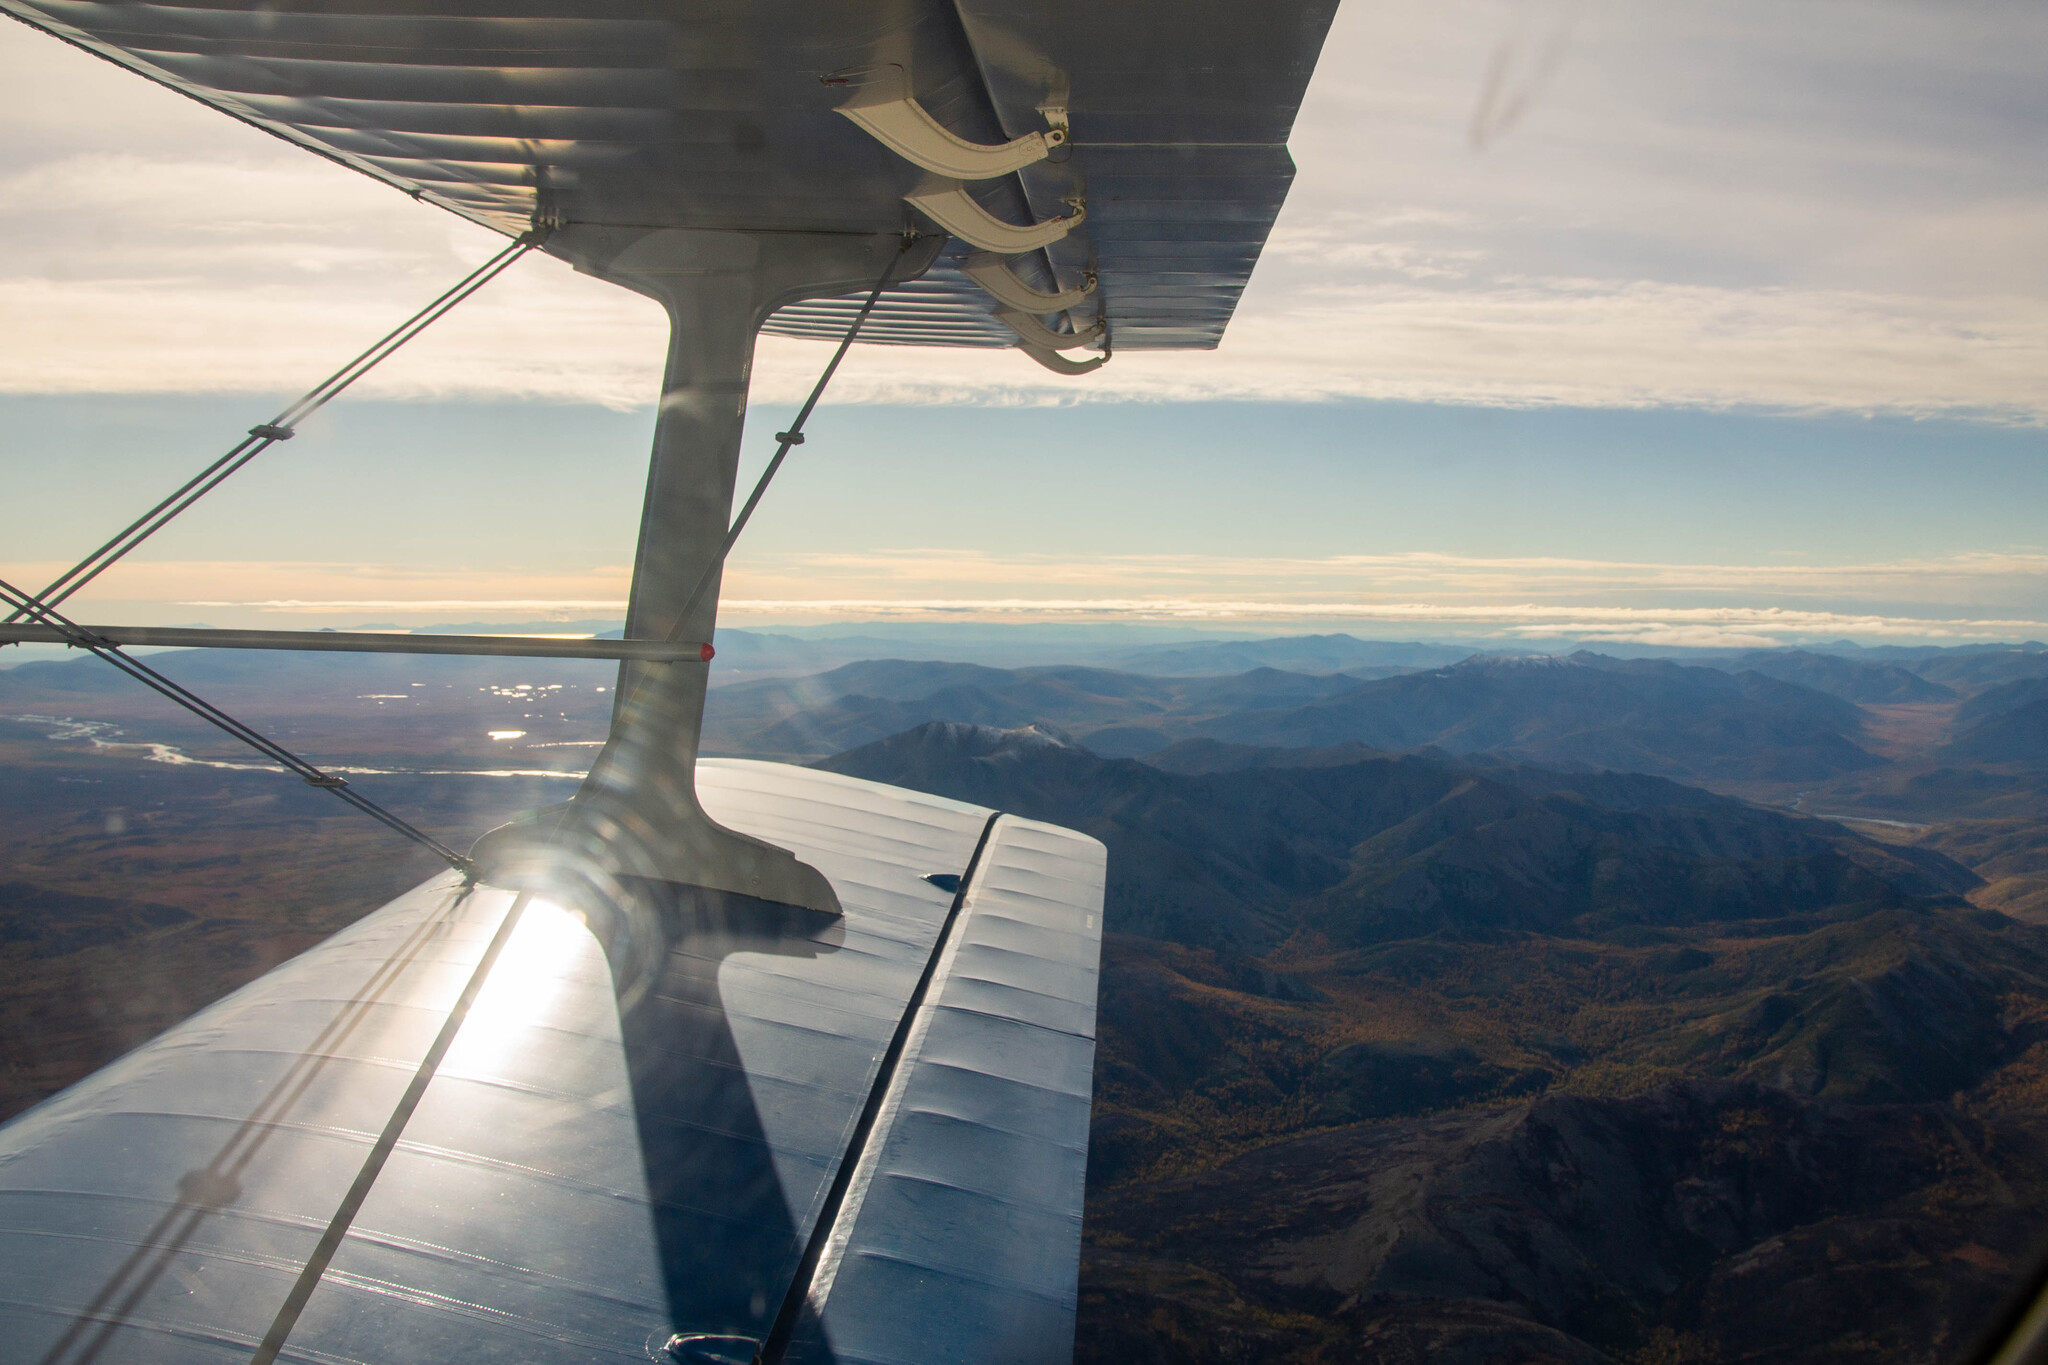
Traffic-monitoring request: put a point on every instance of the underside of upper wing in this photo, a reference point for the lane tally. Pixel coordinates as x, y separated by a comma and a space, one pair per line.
1172, 121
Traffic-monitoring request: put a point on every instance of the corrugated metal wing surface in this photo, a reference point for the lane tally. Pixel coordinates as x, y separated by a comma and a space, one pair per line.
639, 113
587, 1170
960, 1237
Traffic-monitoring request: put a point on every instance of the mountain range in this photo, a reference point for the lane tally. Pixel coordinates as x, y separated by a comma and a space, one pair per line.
1638, 715
1400, 846
1850, 679
1461, 1058
1444, 1014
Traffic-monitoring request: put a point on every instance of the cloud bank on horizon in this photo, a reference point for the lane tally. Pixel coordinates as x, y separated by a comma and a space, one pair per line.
1824, 207
1962, 599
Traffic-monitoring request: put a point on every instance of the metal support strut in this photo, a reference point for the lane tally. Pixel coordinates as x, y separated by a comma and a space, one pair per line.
637, 815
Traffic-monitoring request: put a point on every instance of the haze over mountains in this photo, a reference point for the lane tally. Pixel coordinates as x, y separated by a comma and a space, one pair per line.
1640, 715
1395, 847
1849, 679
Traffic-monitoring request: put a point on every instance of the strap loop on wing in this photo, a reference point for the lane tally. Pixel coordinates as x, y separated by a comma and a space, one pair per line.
1059, 364
947, 203
986, 269
1036, 333
885, 107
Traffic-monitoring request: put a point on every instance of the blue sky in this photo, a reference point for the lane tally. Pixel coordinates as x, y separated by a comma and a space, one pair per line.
1679, 324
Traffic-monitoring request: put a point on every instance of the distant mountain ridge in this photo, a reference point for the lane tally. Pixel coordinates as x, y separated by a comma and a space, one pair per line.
1849, 679
1116, 713
1640, 715
1999, 699
1397, 846
1293, 653
2015, 735
1971, 669
1586, 709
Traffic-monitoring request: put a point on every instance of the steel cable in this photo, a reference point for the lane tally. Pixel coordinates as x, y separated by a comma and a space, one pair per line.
788, 439
82, 638
280, 428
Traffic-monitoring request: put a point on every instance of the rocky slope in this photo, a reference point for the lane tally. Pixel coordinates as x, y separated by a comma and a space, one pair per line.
1529, 1065
1849, 679
1396, 846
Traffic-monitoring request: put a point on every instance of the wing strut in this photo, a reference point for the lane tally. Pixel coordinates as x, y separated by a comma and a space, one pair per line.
370, 642
788, 440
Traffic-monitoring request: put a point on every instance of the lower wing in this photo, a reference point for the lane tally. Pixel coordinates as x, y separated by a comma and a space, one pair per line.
680, 1125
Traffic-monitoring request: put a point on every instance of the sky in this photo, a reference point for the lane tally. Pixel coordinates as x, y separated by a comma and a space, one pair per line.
1657, 324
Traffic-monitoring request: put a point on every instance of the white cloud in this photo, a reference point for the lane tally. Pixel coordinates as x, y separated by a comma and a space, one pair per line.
2006, 583
1532, 342
1958, 599
1656, 625
1810, 208
1693, 626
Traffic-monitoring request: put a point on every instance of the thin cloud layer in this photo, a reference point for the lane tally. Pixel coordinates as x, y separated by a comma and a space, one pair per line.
1958, 599
1689, 626
1822, 208
2015, 577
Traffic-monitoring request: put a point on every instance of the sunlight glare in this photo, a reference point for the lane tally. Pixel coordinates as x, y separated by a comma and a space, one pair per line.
544, 953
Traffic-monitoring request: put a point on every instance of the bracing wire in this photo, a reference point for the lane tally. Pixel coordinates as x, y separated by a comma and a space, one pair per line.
279, 428
787, 441
82, 638
42, 607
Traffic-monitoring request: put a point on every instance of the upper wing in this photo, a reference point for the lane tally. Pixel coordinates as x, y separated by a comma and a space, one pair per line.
714, 1117
632, 112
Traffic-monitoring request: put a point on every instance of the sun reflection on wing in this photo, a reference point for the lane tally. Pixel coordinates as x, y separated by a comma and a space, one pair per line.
545, 952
